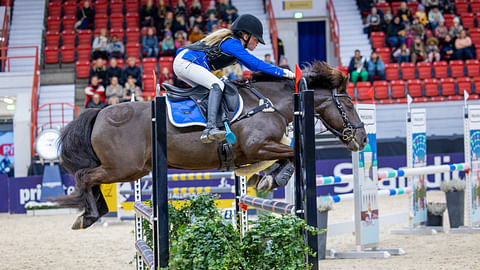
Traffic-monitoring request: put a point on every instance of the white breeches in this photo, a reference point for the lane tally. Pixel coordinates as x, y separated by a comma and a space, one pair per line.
194, 74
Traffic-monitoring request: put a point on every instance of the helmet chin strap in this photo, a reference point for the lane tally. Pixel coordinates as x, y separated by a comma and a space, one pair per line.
246, 41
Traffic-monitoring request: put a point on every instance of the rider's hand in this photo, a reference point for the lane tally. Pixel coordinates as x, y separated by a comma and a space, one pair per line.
288, 74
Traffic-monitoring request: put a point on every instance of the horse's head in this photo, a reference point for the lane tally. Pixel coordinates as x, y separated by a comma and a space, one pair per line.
334, 106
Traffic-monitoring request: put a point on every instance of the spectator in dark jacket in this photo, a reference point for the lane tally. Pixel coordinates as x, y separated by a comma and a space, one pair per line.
114, 71
134, 71
181, 9
404, 13
95, 102
230, 14
179, 25
447, 48
375, 67
395, 33
148, 14
150, 44
85, 17
100, 71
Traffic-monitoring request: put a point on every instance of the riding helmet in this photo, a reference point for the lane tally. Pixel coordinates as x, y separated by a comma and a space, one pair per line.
250, 24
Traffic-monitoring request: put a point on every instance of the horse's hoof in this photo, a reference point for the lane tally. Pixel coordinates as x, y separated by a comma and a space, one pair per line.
253, 180
83, 222
284, 175
216, 135
204, 138
266, 183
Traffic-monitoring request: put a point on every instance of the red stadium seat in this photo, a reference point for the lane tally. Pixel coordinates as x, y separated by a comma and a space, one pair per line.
408, 71
413, 6
395, 6
132, 19
386, 101
431, 87
382, 6
384, 54
118, 32
52, 39
420, 99
68, 53
84, 52
398, 89
468, 20
437, 99
101, 7
116, 20
70, 8
378, 39
101, 21
84, 37
475, 34
53, 24
456, 68
424, 70
120, 62
448, 86
473, 67
54, 10
391, 71
147, 83
69, 22
381, 89
116, 7
68, 38
464, 83
414, 88
145, 29
451, 98
83, 69
462, 7
149, 64
133, 35
166, 61
133, 50
132, 5
448, 19
476, 84
475, 6
351, 90
51, 55
440, 68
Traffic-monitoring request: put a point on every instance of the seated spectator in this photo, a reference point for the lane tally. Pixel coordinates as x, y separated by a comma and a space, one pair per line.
196, 34
230, 14
115, 48
114, 89
162, 10
463, 47
94, 88
430, 4
100, 71
284, 63
376, 67
150, 44
409, 35
212, 20
95, 102
402, 54
447, 48
447, 6
421, 15
435, 17
179, 25
165, 76
395, 33
196, 10
181, 9
180, 40
441, 30
99, 46
131, 90
133, 70
85, 17
168, 44
456, 28
268, 59
198, 20
114, 71
418, 28
211, 9
417, 50
357, 68
221, 6
432, 50
404, 13
148, 14
373, 21
233, 72
387, 16
113, 100
167, 25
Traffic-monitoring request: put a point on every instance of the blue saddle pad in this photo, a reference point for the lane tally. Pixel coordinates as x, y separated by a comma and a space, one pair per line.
186, 113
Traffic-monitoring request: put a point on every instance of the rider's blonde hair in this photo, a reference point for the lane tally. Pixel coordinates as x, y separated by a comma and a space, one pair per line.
216, 36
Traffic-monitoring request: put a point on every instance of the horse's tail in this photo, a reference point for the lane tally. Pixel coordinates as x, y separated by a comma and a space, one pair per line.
77, 155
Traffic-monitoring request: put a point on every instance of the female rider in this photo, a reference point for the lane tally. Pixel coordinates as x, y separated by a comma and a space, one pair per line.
222, 48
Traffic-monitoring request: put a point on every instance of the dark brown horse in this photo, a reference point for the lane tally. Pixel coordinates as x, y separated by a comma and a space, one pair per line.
114, 144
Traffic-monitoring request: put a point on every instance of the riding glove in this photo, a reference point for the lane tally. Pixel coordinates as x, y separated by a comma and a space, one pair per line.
288, 74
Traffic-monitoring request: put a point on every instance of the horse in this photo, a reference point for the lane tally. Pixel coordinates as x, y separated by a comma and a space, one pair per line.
114, 144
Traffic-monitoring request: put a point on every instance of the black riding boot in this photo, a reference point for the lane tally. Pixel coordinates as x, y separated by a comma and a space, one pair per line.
211, 132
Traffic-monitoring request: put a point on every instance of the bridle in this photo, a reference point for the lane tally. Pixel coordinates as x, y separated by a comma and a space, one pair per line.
348, 130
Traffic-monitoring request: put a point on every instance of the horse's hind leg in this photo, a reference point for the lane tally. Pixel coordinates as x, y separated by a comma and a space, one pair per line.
279, 177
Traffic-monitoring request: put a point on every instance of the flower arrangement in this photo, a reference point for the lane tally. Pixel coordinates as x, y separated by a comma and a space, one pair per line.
436, 208
453, 185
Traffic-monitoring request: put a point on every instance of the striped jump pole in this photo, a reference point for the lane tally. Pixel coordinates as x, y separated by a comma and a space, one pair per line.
186, 190
200, 176
380, 193
268, 205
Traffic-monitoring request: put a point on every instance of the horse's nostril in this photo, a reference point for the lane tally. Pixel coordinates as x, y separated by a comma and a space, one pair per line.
365, 140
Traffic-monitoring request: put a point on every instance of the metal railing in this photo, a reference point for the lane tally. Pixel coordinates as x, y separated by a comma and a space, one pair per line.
273, 30
334, 30
52, 123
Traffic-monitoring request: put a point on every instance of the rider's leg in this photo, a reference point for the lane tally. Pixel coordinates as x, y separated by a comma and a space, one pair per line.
211, 132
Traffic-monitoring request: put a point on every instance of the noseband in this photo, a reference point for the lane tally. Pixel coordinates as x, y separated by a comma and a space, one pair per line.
348, 131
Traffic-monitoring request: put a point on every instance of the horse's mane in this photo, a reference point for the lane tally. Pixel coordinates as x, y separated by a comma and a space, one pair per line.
318, 75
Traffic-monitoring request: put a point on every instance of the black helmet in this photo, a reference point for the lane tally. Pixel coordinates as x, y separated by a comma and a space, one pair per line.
250, 24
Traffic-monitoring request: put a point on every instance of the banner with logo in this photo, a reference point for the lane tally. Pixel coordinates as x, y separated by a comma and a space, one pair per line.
417, 154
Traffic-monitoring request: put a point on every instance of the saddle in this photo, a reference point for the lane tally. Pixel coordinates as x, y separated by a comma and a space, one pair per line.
199, 94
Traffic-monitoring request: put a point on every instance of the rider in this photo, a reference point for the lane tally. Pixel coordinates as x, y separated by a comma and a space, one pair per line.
216, 51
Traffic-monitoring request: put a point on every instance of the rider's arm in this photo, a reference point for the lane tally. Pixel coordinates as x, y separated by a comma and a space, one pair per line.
234, 47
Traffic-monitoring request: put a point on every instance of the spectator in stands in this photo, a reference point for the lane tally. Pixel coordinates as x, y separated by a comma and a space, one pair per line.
409, 35
94, 88
404, 13
284, 63
430, 4
456, 28
441, 30
196, 10
447, 6
387, 16
179, 25
99, 46
198, 20
212, 20
376, 68
447, 48
85, 17
463, 47
435, 17
395, 33
267, 58
230, 14
100, 71
148, 14
196, 34
166, 76
114, 71
402, 54
115, 48
180, 40
357, 68
150, 44
133, 70
114, 89
211, 9
417, 50
181, 9
113, 100
432, 50
373, 21
168, 44
95, 102
221, 7
233, 72
131, 89
162, 10
421, 15
418, 28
